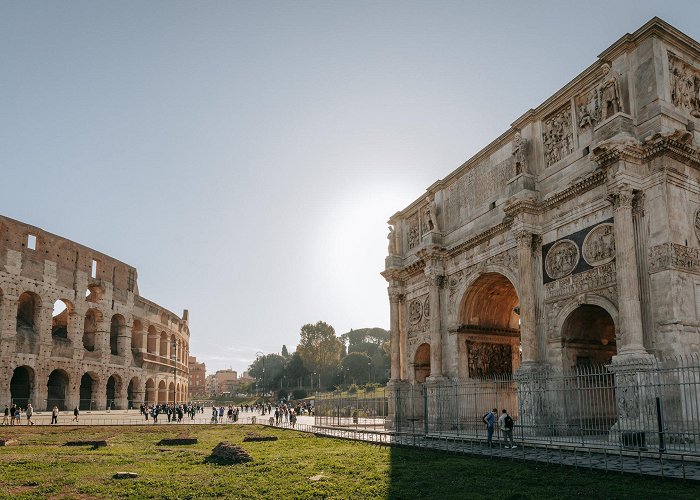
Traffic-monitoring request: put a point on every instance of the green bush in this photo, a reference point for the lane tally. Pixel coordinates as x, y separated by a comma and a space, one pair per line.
353, 389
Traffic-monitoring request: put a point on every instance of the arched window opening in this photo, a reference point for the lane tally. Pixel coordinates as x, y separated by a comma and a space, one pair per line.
28, 312
59, 321
92, 318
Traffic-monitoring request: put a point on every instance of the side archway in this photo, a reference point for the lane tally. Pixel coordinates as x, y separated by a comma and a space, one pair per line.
22, 386
421, 363
57, 388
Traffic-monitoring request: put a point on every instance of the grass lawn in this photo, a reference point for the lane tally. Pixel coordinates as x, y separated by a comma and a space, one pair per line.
40, 466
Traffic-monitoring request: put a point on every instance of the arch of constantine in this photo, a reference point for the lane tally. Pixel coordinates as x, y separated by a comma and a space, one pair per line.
573, 239
74, 330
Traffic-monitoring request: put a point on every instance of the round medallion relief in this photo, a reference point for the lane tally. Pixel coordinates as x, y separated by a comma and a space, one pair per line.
561, 259
697, 223
599, 245
415, 311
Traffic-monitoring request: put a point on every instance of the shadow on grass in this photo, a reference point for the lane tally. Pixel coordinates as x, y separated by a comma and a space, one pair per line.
418, 473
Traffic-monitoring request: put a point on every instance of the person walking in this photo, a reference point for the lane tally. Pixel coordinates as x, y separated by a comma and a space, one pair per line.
76, 414
5, 418
54, 415
505, 423
18, 415
489, 419
29, 412
13, 409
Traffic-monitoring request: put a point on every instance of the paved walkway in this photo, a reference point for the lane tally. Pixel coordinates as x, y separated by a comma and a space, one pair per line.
671, 465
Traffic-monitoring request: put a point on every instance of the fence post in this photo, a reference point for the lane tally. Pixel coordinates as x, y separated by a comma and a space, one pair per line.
659, 420
425, 410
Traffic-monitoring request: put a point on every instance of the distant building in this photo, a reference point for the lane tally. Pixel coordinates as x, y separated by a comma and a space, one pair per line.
197, 377
210, 386
226, 381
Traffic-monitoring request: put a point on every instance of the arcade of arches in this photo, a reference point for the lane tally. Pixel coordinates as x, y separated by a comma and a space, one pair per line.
75, 332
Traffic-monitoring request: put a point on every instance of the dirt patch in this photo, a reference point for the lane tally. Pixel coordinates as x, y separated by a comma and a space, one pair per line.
227, 453
176, 441
253, 436
94, 444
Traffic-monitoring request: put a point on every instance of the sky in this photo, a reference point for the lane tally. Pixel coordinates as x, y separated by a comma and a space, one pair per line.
245, 156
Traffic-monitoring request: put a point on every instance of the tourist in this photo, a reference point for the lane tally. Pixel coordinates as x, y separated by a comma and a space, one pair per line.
29, 412
489, 419
154, 414
54, 415
5, 420
18, 416
221, 414
505, 423
292, 419
76, 414
13, 409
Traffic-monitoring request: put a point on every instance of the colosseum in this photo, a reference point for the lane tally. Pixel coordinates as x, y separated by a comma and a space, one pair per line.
74, 330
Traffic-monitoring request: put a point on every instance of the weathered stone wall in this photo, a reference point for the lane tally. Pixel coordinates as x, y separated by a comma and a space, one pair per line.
102, 332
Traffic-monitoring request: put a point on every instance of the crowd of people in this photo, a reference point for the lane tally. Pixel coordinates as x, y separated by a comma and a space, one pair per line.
283, 412
13, 415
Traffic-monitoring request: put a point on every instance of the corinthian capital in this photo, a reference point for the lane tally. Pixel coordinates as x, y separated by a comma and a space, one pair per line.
523, 237
395, 294
622, 198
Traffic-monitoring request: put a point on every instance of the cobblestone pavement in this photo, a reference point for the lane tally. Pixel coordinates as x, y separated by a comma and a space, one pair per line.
669, 465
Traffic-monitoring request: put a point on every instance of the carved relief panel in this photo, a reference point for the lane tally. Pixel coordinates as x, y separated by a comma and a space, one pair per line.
557, 136
685, 85
486, 360
599, 245
561, 259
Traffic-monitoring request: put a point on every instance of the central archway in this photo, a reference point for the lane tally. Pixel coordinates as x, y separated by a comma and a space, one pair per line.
489, 331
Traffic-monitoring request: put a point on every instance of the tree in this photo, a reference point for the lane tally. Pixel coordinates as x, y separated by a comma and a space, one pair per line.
319, 349
273, 364
285, 352
356, 367
295, 371
373, 342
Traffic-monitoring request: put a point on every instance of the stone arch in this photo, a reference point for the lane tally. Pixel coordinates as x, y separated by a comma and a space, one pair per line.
89, 386
152, 345
421, 363
23, 385
93, 317
62, 309
137, 335
151, 394
94, 293
114, 391
592, 299
174, 353
588, 332
57, 389
162, 392
28, 312
488, 326
164, 344
116, 334
454, 313
171, 392
134, 393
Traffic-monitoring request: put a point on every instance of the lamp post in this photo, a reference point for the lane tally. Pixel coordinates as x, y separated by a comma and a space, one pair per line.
174, 358
369, 367
259, 355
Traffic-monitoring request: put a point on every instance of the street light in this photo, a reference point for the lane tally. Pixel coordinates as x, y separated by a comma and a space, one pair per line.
174, 358
369, 366
259, 355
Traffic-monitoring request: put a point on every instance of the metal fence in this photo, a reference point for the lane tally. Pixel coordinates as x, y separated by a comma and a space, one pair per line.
645, 405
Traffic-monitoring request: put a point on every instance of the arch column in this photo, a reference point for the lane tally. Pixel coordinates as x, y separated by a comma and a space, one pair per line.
395, 335
627, 272
73, 389
40, 392
528, 314
99, 391
435, 282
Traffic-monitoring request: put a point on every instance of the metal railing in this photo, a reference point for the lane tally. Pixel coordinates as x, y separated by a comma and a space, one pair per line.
642, 405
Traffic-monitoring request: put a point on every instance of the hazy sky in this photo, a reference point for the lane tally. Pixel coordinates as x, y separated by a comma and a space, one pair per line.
245, 156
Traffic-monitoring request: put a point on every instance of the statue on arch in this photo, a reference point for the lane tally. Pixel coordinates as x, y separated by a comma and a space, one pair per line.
431, 215
609, 94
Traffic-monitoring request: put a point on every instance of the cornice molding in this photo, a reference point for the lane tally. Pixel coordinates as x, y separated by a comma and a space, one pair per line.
481, 237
